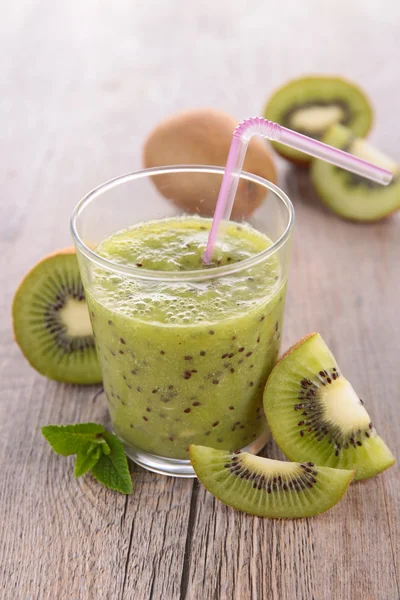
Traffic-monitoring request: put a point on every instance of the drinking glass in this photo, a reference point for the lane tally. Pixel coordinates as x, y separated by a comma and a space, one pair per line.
172, 383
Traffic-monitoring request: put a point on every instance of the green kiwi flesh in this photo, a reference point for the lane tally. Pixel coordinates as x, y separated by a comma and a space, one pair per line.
310, 105
349, 195
314, 413
266, 487
51, 321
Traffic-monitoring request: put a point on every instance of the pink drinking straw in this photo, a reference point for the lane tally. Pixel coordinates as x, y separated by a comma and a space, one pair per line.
272, 131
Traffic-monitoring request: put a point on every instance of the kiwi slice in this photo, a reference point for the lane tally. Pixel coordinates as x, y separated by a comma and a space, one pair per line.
314, 413
51, 321
349, 195
310, 105
266, 487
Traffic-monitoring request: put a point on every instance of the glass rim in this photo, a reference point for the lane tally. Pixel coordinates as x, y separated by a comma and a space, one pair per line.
194, 275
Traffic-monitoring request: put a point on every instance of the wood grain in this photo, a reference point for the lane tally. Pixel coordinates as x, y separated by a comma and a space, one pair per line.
82, 83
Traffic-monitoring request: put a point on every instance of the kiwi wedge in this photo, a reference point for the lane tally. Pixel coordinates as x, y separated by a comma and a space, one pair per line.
349, 195
51, 321
266, 487
315, 414
203, 137
310, 105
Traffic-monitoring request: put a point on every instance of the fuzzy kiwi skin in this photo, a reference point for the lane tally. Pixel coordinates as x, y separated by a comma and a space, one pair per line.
203, 137
202, 470
83, 378
300, 159
362, 471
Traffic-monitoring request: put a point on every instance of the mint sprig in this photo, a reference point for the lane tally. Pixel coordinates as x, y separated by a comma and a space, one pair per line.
97, 450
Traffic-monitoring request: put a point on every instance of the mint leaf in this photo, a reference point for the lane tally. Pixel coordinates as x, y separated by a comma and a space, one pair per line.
97, 450
86, 461
72, 439
112, 470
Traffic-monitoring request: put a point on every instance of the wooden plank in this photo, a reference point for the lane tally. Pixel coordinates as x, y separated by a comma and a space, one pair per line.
159, 528
83, 84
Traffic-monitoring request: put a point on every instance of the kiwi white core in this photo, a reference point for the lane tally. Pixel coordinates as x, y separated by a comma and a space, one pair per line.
343, 407
267, 465
316, 118
75, 316
364, 150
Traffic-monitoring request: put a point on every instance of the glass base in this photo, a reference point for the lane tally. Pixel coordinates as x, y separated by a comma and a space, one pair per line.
174, 467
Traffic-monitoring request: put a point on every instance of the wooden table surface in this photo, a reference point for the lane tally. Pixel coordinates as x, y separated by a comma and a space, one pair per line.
81, 85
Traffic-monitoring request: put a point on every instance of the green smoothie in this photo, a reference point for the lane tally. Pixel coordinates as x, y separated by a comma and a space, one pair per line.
186, 361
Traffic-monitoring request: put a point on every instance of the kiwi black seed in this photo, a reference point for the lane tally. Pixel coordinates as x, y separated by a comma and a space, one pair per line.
310, 105
268, 488
52, 323
314, 413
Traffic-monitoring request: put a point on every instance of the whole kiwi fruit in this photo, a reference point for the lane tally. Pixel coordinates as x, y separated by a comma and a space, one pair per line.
203, 137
